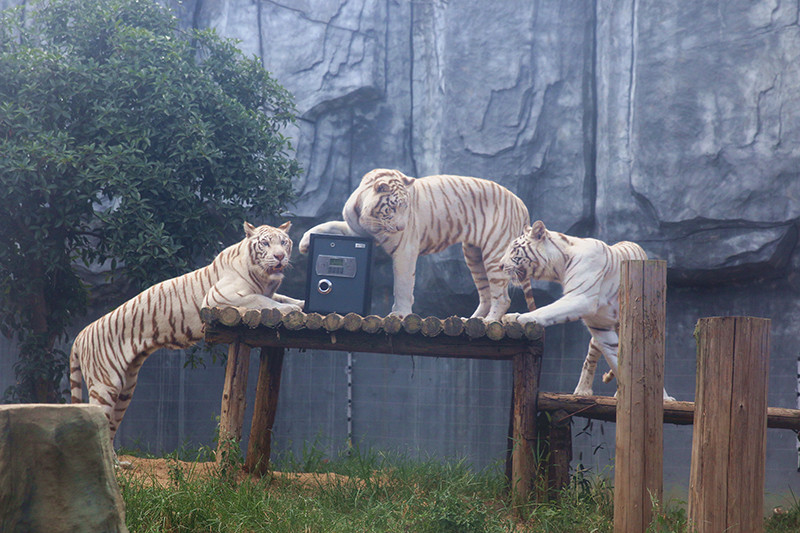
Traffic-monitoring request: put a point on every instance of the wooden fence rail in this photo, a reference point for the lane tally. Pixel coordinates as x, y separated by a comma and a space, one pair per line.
678, 413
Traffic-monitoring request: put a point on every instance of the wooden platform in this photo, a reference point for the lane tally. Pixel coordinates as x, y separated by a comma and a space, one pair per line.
273, 332
413, 335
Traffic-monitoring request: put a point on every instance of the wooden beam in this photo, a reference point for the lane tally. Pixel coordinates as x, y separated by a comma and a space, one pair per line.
678, 413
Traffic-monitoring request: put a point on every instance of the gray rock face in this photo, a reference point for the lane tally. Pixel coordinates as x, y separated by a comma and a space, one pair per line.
56, 471
667, 124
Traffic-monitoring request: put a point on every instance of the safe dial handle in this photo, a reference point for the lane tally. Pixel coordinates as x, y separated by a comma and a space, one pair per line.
324, 286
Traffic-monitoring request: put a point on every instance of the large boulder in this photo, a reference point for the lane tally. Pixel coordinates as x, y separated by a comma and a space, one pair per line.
57, 472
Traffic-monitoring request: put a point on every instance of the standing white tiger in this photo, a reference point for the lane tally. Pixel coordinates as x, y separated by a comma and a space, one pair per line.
588, 270
410, 217
109, 352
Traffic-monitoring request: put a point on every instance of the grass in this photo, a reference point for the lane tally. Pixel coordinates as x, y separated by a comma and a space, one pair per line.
374, 492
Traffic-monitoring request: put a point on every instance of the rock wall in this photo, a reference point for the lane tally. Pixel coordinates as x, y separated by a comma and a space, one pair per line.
667, 124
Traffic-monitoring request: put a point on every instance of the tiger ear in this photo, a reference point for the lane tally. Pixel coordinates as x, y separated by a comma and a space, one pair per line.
538, 230
285, 226
249, 229
407, 180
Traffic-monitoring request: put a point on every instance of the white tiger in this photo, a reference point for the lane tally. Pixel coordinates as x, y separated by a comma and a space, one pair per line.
589, 271
410, 217
109, 352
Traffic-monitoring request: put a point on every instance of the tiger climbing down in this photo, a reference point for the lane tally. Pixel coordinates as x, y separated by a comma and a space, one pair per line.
588, 270
409, 217
110, 351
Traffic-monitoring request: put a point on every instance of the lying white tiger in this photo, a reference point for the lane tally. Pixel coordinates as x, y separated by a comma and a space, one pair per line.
110, 351
588, 270
410, 217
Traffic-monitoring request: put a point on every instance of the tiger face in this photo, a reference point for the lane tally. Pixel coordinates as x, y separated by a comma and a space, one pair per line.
270, 248
528, 255
383, 205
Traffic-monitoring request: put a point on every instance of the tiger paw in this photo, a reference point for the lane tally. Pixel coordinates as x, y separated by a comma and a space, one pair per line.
509, 318
305, 242
583, 391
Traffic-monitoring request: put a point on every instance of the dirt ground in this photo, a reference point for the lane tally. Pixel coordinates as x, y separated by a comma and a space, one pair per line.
158, 471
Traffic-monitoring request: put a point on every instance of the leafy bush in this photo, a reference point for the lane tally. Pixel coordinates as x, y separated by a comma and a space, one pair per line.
125, 141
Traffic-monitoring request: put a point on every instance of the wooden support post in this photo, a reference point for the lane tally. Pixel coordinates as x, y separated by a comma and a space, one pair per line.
726, 485
638, 468
266, 406
527, 366
554, 449
560, 441
234, 399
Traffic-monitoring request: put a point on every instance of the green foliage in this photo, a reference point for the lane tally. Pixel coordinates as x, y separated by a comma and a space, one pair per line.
785, 520
124, 141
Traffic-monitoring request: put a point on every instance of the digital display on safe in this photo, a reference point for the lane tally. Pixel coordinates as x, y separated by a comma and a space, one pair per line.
334, 265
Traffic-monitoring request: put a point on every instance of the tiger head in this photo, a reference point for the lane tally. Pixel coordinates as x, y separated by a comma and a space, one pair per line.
270, 248
382, 201
530, 255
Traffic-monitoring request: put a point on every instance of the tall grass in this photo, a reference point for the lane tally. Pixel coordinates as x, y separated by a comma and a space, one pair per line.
371, 492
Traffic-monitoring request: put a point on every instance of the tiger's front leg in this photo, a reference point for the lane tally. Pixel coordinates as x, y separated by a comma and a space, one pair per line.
259, 301
568, 308
404, 268
280, 298
334, 227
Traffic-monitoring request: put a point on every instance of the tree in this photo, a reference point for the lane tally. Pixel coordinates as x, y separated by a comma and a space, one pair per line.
127, 142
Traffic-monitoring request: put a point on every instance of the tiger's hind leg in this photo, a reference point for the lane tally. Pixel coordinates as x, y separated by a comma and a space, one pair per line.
115, 398
125, 395
491, 282
586, 381
498, 288
474, 259
608, 343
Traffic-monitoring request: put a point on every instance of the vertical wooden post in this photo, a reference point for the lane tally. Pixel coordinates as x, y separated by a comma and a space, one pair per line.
560, 456
726, 485
554, 448
527, 366
234, 398
638, 468
266, 406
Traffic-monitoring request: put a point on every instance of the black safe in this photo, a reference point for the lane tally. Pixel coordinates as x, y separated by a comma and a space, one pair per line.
338, 279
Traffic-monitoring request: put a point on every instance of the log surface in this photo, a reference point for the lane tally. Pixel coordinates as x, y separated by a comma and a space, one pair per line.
450, 337
678, 413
